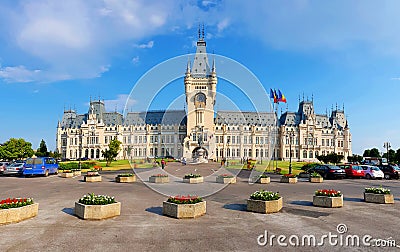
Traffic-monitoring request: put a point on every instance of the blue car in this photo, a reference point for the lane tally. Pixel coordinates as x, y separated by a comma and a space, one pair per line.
40, 166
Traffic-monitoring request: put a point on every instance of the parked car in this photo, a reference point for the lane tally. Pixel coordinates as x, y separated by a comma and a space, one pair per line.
40, 166
328, 171
3, 166
14, 169
353, 170
372, 172
390, 171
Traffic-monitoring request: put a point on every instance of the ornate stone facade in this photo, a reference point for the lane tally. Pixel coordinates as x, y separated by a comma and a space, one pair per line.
217, 134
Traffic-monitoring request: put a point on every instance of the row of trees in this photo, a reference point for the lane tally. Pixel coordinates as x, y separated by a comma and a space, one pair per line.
394, 156
15, 149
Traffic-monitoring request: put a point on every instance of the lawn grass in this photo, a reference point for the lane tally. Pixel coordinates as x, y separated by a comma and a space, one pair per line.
269, 166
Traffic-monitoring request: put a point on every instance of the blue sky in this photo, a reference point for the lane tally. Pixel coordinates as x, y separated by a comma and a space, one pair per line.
58, 54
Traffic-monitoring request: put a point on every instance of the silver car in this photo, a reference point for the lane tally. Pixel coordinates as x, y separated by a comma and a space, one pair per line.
14, 168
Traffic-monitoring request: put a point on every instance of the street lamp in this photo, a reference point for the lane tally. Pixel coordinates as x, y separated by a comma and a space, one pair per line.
387, 146
80, 148
291, 135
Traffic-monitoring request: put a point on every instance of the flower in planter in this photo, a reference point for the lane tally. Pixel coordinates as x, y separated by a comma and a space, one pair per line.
15, 202
67, 171
188, 176
328, 193
289, 175
92, 199
159, 175
181, 199
377, 190
315, 175
97, 167
264, 176
265, 195
126, 175
226, 176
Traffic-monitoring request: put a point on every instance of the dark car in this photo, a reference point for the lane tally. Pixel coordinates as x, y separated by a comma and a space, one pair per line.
328, 171
353, 170
390, 171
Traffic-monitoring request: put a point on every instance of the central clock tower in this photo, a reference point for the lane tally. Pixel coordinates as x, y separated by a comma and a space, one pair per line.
200, 91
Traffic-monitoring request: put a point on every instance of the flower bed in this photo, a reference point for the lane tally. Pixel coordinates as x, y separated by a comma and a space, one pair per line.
159, 178
289, 178
263, 179
193, 178
184, 207
378, 195
226, 179
315, 177
125, 178
66, 174
97, 207
264, 202
77, 172
17, 209
92, 176
328, 198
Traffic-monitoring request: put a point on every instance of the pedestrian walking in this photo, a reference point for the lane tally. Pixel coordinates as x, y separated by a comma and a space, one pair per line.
162, 164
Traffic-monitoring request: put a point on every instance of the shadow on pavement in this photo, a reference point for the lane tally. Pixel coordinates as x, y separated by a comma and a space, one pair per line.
236, 207
155, 210
353, 199
69, 210
301, 203
397, 199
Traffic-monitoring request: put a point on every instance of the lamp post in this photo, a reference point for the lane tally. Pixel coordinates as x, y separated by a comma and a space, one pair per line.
291, 135
387, 146
80, 148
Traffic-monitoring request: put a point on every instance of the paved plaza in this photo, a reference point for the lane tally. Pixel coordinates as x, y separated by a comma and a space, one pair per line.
226, 226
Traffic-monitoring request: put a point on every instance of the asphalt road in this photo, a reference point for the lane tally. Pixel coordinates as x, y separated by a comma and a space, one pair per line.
227, 226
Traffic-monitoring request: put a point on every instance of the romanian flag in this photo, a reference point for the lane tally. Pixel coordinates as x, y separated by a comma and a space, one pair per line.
281, 97
273, 95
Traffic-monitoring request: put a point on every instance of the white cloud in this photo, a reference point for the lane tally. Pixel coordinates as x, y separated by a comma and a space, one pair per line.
135, 60
150, 44
119, 103
18, 74
223, 24
395, 78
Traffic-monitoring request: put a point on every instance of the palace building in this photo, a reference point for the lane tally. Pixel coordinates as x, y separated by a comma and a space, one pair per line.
217, 135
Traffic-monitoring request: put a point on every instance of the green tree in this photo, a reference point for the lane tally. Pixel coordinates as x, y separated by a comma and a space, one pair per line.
397, 156
323, 158
355, 158
42, 150
367, 153
113, 148
392, 156
374, 152
16, 149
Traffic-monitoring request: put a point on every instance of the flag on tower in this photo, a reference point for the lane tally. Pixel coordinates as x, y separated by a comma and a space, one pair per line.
273, 95
281, 97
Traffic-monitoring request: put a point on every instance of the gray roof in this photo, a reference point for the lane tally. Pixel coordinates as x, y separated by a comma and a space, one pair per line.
245, 118
169, 117
200, 68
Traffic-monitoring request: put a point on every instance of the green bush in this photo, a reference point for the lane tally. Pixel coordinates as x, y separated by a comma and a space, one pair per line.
264, 195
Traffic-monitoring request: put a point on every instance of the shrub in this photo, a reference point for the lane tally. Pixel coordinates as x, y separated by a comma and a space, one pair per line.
264, 195
315, 175
92, 199
264, 176
290, 175
377, 190
126, 175
225, 176
180, 199
188, 176
15, 202
328, 193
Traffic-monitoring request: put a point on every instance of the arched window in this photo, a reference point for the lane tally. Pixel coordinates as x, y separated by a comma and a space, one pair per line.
304, 154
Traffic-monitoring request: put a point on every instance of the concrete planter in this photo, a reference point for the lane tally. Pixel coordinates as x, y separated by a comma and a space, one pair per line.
325, 201
223, 180
264, 180
316, 180
193, 180
288, 180
18, 214
77, 173
66, 174
158, 180
266, 207
92, 178
181, 211
97, 212
130, 179
379, 198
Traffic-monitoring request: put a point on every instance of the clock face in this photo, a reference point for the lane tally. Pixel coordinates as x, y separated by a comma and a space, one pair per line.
200, 97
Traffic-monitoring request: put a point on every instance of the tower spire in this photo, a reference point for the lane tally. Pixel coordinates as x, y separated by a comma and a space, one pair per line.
213, 65
188, 65
199, 33
202, 32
